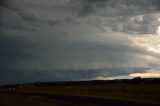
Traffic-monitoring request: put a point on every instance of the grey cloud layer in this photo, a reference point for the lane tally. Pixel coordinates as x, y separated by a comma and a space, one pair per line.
73, 39
116, 7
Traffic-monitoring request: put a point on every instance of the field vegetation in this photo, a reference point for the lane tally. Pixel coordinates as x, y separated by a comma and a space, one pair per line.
137, 90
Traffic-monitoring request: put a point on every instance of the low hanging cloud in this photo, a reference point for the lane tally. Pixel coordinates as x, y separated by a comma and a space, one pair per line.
75, 39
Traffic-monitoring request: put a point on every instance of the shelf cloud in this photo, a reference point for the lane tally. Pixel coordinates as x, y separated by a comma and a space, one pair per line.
50, 40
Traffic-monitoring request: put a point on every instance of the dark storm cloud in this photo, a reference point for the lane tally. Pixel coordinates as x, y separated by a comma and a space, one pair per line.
91, 74
1, 2
17, 76
117, 7
139, 24
12, 50
11, 6
54, 40
128, 16
14, 17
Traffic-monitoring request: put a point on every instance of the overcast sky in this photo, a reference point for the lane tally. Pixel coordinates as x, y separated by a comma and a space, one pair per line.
62, 40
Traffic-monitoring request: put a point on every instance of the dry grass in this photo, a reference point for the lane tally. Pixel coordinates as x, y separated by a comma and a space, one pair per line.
148, 93
7, 99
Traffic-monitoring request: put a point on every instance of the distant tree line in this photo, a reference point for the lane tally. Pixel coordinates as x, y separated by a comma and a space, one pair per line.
136, 80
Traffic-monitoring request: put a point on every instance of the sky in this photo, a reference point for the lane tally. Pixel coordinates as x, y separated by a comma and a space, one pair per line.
71, 40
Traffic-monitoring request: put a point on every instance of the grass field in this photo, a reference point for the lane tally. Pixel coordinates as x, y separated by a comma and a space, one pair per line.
147, 93
9, 99
137, 92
